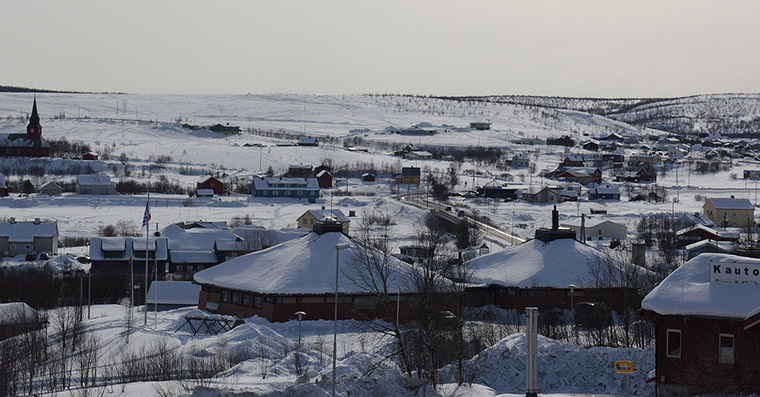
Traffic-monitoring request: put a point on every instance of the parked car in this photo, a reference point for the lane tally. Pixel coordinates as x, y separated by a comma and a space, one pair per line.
44, 256
31, 257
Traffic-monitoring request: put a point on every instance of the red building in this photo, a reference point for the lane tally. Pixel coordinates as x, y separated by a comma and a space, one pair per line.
30, 144
211, 183
89, 156
706, 327
325, 179
300, 275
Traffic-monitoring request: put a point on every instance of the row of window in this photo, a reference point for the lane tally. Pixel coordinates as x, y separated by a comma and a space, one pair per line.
253, 300
725, 346
285, 193
26, 246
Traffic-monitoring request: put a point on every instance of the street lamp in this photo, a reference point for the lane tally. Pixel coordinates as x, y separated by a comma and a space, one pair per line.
338, 247
300, 315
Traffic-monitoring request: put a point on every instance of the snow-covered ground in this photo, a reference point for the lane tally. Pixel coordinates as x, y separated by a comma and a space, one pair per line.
143, 127
258, 346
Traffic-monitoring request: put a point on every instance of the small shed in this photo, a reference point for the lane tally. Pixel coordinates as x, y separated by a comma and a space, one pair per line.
368, 177
89, 156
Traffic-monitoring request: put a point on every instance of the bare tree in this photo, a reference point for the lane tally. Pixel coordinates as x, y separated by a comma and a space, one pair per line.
374, 270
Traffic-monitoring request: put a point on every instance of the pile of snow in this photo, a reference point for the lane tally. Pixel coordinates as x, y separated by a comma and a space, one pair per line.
562, 367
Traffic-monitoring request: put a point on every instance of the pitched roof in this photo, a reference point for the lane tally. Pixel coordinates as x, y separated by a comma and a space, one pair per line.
321, 214
127, 246
305, 265
101, 180
732, 203
688, 290
26, 231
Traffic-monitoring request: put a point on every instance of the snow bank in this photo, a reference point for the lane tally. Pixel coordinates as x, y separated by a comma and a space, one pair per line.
562, 367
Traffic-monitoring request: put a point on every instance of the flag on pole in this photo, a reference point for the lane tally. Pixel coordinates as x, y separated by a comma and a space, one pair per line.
146, 216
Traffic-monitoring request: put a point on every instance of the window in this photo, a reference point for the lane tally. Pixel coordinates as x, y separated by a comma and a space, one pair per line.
674, 343
256, 301
726, 348
246, 299
225, 296
28, 247
236, 298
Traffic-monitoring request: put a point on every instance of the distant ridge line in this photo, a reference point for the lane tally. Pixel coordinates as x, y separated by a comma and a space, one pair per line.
9, 88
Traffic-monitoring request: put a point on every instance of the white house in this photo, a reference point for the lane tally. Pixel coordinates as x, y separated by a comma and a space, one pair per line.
95, 184
18, 238
520, 161
50, 188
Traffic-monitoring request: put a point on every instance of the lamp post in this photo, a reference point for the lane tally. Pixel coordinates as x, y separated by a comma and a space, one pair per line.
572, 307
300, 315
338, 247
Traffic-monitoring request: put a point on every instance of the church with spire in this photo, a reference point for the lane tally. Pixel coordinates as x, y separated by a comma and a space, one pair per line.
31, 144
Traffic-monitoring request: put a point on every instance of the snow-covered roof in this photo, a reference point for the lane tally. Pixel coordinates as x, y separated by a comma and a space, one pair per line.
127, 246
174, 293
286, 183
731, 203
321, 214
724, 245
198, 239
16, 312
606, 190
555, 264
49, 183
591, 223
323, 172
25, 232
688, 290
302, 266
101, 180
717, 232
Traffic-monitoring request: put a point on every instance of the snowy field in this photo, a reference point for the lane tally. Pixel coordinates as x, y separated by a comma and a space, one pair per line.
143, 127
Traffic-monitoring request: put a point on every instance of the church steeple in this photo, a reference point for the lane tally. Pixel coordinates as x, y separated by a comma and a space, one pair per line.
34, 129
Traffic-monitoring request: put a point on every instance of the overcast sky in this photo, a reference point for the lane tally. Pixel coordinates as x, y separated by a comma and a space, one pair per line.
567, 48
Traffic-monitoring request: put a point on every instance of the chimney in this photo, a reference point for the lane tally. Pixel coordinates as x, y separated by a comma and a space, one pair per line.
555, 218
37, 221
732, 196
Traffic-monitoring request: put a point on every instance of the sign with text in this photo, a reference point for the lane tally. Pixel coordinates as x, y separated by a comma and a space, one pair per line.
623, 366
734, 272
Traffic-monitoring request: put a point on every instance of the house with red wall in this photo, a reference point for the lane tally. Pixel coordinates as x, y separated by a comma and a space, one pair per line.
299, 275
707, 317
210, 183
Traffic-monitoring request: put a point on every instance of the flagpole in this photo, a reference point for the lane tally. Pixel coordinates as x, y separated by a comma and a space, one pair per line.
155, 291
147, 233
132, 286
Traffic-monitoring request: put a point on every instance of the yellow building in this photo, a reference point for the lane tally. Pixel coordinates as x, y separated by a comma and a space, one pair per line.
730, 212
409, 176
310, 217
